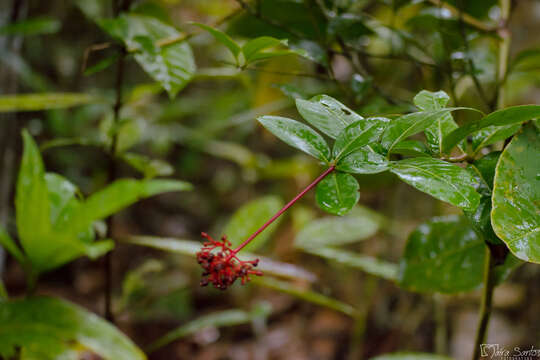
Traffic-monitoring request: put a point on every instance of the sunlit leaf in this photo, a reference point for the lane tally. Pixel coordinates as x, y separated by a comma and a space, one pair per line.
327, 114
48, 328
444, 181
297, 135
44, 101
516, 196
337, 193
251, 216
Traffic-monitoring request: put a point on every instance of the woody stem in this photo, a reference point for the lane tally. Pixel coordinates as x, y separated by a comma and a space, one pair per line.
283, 209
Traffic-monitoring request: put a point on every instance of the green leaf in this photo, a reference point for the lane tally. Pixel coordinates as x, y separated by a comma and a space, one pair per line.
364, 161
359, 224
297, 135
410, 124
34, 26
172, 66
115, 197
484, 171
410, 356
367, 264
516, 196
190, 248
254, 46
9, 244
148, 167
443, 255
411, 148
525, 55
430, 101
337, 193
32, 201
45, 101
357, 135
327, 114
508, 116
101, 65
213, 320
250, 217
349, 27
47, 328
442, 180
305, 294
223, 38
491, 135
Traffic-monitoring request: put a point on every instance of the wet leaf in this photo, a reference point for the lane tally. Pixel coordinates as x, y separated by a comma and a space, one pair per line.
442, 180
491, 135
357, 135
250, 217
411, 148
508, 116
44, 101
337, 193
516, 196
364, 161
297, 135
47, 328
327, 114
444, 125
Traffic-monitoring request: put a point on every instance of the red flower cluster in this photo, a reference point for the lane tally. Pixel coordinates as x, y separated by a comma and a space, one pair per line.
222, 268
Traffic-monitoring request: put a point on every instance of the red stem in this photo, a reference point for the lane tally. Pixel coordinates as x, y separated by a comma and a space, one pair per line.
278, 214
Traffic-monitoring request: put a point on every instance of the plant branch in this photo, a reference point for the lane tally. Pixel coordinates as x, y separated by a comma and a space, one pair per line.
283, 209
468, 19
486, 303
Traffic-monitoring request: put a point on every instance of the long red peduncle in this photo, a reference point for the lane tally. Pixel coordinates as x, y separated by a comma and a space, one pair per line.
283, 209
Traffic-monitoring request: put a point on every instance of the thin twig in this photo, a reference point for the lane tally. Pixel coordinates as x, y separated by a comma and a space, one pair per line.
468, 19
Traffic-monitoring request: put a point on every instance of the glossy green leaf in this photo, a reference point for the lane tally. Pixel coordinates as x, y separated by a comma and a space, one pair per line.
327, 114
250, 217
32, 201
223, 38
410, 356
359, 224
33, 26
50, 328
357, 135
365, 263
443, 255
172, 66
364, 161
491, 135
148, 167
411, 148
410, 124
213, 320
508, 116
444, 181
516, 196
254, 46
445, 124
337, 193
305, 294
44, 101
483, 170
297, 135
190, 248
